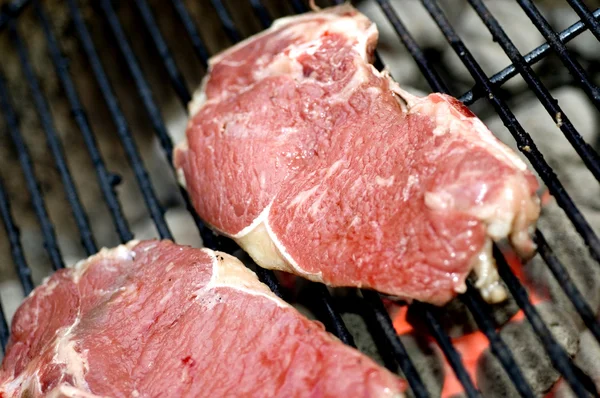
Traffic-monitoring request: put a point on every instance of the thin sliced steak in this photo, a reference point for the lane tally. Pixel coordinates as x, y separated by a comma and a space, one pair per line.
156, 319
319, 165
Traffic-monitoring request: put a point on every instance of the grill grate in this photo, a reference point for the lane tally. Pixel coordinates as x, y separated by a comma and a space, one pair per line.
377, 317
531, 58
106, 180
587, 153
15, 246
32, 183
53, 143
552, 37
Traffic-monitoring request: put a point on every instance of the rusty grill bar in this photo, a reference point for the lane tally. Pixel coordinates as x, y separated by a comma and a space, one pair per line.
377, 317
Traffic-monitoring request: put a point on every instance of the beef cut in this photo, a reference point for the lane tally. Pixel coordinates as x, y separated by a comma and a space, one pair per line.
156, 319
319, 165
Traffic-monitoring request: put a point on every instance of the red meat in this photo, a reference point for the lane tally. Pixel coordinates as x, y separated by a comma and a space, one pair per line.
319, 165
157, 319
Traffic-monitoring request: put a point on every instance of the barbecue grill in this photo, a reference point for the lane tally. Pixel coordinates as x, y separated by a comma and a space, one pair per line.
328, 308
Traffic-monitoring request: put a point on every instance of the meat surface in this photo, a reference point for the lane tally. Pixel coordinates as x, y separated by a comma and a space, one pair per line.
156, 319
320, 165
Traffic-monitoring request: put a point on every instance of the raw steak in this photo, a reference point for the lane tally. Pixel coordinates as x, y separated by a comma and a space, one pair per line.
156, 319
319, 165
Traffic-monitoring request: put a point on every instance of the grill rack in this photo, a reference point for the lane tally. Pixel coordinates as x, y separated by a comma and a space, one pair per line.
485, 86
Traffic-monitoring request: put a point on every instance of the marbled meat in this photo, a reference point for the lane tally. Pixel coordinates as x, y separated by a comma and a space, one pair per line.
157, 319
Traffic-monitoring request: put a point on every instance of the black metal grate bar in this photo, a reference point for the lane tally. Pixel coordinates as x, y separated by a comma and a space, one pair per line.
480, 310
152, 109
226, 21
585, 151
4, 330
106, 180
384, 323
54, 144
336, 323
578, 381
453, 356
532, 57
37, 199
261, 13
432, 77
568, 61
136, 71
11, 11
564, 280
445, 344
192, 31
164, 53
14, 238
586, 16
298, 6
133, 156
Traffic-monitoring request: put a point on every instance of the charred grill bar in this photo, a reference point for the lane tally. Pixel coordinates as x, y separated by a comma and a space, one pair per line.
552, 38
380, 320
499, 348
37, 199
531, 58
123, 130
23, 270
106, 180
54, 144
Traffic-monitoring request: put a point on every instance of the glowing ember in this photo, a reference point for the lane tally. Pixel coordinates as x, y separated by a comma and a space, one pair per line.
400, 323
